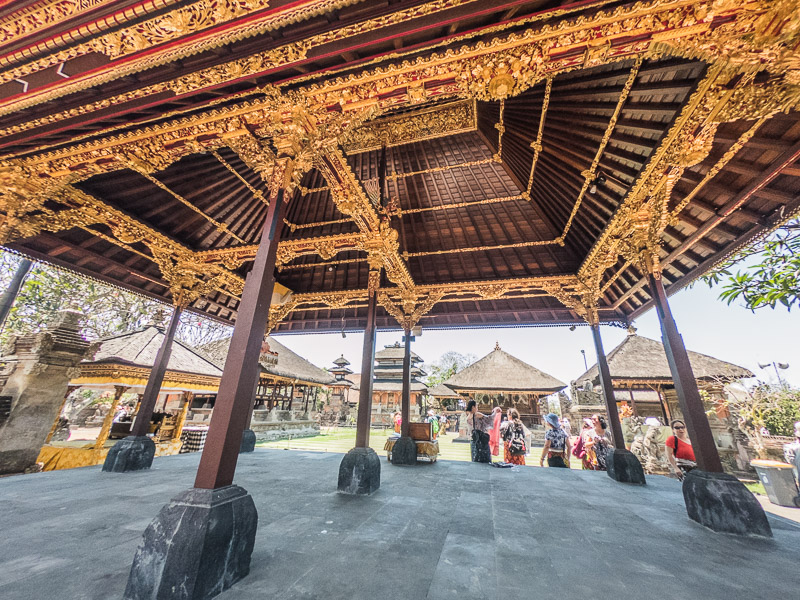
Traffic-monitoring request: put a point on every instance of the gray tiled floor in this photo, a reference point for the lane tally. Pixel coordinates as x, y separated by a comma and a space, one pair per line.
448, 530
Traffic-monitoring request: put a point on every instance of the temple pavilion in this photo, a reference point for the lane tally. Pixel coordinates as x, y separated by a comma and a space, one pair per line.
331, 165
500, 379
287, 381
642, 380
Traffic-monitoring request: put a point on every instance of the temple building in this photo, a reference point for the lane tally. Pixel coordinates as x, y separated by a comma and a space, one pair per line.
340, 399
387, 383
288, 390
121, 366
644, 387
326, 166
500, 379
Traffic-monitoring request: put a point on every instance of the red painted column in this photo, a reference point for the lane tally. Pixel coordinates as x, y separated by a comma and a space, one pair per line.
239, 378
705, 450
153, 387
608, 389
367, 370
405, 400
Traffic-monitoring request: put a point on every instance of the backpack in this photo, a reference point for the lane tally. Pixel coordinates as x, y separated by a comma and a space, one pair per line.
516, 445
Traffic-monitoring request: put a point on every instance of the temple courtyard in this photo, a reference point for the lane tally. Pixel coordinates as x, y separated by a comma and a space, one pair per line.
445, 530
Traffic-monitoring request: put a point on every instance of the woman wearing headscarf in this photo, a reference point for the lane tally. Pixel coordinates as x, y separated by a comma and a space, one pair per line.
556, 444
479, 424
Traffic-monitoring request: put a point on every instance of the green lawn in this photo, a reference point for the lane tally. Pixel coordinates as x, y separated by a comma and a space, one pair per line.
341, 440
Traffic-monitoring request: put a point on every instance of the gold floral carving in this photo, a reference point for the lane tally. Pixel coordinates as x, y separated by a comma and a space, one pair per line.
450, 119
174, 25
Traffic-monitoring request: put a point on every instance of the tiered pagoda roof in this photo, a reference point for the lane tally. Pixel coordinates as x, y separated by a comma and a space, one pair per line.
535, 150
641, 360
388, 372
499, 371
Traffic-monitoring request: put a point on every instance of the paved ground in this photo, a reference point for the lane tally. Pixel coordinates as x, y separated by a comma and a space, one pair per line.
448, 530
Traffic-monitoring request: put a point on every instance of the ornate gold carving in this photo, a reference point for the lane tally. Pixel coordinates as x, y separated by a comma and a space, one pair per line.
414, 306
40, 15
279, 312
245, 67
173, 25
450, 119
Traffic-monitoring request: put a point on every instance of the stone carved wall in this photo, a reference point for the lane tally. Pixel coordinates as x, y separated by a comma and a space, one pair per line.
38, 368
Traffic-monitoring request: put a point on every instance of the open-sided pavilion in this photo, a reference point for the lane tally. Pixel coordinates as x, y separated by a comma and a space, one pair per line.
443, 163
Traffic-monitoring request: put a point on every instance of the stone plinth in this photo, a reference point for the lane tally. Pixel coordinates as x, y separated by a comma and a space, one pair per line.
360, 472
198, 546
723, 504
248, 441
38, 369
404, 452
132, 453
623, 466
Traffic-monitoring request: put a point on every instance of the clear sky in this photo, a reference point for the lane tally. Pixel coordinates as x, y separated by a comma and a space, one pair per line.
708, 325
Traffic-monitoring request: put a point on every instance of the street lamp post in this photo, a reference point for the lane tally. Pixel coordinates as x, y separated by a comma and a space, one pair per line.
776, 366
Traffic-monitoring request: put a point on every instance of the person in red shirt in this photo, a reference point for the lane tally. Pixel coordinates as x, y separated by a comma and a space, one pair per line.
679, 450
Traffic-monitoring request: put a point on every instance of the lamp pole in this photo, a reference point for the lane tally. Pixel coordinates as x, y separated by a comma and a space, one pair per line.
585, 364
776, 365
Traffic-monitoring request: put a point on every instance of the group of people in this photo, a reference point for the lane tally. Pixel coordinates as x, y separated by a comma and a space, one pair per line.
438, 422
590, 446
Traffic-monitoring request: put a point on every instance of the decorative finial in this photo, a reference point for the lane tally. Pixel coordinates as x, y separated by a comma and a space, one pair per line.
631, 330
497, 345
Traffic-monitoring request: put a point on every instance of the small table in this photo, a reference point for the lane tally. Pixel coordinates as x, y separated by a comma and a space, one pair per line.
194, 439
428, 449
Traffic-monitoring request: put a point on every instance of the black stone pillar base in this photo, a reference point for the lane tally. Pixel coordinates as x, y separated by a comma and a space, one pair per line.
132, 453
623, 466
723, 504
360, 472
198, 546
404, 452
248, 441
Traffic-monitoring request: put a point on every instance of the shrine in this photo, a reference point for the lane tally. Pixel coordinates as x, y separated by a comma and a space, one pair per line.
500, 379
643, 386
332, 165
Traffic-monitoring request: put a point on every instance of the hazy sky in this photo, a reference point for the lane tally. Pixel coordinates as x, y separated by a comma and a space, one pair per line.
709, 326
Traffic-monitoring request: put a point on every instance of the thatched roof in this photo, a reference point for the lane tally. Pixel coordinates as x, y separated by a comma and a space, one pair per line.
498, 371
442, 391
640, 358
139, 349
395, 352
289, 365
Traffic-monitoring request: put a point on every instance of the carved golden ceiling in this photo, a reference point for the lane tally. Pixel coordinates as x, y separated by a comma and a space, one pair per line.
282, 131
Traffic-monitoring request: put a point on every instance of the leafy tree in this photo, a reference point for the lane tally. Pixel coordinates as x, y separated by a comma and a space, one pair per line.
781, 420
447, 365
772, 279
106, 310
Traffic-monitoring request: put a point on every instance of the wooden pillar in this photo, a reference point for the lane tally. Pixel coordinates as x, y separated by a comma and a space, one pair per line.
240, 375
633, 402
70, 389
705, 450
367, 370
405, 400
608, 389
153, 387
106, 428
291, 396
11, 292
187, 402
